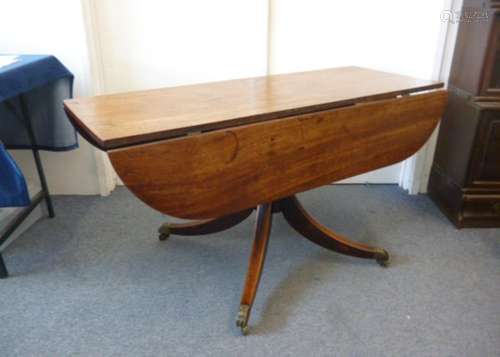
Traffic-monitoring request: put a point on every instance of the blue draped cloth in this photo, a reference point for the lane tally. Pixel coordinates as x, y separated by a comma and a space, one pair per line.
13, 190
43, 82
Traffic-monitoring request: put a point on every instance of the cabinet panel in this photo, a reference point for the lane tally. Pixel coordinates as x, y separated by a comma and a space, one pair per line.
486, 160
491, 75
491, 163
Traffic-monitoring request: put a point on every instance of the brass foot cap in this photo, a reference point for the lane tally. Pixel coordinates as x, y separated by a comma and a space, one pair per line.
382, 258
164, 232
242, 320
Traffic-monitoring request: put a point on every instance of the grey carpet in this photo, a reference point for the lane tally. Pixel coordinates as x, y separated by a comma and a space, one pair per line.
95, 281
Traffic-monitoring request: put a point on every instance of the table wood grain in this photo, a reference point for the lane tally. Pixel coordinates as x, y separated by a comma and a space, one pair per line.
121, 120
224, 171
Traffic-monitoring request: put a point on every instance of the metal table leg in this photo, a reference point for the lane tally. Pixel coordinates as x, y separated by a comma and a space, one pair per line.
3, 269
36, 155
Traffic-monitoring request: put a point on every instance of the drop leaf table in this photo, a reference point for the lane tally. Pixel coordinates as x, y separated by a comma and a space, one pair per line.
214, 152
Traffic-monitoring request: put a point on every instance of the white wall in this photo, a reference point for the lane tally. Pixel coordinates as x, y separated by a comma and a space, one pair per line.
147, 43
400, 36
53, 27
392, 35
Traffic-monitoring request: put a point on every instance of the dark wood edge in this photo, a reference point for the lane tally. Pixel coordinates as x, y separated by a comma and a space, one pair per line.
83, 130
481, 99
489, 105
170, 134
477, 186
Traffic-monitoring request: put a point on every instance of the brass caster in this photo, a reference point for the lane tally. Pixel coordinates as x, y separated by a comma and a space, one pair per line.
382, 258
163, 237
244, 330
164, 232
242, 320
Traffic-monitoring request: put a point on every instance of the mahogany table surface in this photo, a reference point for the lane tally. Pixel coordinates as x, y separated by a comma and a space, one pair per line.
121, 120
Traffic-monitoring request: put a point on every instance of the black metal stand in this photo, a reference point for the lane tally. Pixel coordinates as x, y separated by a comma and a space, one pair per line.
3, 270
39, 197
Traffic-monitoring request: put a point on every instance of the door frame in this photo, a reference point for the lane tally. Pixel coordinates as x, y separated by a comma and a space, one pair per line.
106, 175
416, 170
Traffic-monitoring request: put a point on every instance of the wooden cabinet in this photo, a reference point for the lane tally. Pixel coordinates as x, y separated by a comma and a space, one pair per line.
476, 59
465, 175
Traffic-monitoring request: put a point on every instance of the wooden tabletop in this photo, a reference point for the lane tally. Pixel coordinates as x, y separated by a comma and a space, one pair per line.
126, 119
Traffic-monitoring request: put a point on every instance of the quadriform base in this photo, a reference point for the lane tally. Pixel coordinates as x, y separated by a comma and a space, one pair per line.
298, 218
